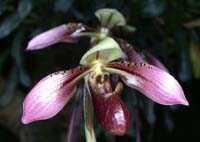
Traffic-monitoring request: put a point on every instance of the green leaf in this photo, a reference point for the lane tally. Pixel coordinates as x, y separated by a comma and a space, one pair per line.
24, 8
63, 5
9, 24
105, 51
2, 7
193, 24
3, 57
153, 7
10, 88
168, 121
185, 69
110, 17
13, 21
195, 58
17, 55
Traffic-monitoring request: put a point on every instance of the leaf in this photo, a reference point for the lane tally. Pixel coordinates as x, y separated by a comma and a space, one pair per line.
168, 121
63, 5
193, 24
24, 8
150, 113
9, 24
195, 59
185, 72
10, 88
153, 7
3, 57
2, 7
14, 20
17, 55
105, 51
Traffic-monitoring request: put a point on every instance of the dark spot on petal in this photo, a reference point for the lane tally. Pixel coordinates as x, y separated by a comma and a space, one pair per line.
149, 67
128, 64
122, 61
142, 64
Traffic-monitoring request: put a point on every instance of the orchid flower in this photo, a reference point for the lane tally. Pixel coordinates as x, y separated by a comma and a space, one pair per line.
71, 32
52, 93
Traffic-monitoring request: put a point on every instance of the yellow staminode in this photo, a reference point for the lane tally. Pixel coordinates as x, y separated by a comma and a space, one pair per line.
97, 68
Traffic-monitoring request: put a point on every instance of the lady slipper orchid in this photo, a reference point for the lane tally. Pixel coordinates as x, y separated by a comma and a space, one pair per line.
50, 95
98, 64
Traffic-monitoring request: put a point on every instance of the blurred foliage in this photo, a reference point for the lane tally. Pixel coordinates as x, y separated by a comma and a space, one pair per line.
167, 29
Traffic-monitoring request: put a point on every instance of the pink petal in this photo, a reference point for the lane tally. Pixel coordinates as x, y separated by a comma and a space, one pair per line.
50, 95
154, 61
63, 33
153, 82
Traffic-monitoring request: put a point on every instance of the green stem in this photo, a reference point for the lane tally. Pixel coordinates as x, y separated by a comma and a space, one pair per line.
98, 35
87, 102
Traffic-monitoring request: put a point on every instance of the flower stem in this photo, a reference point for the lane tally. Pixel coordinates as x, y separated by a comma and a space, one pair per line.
137, 125
75, 108
87, 102
71, 125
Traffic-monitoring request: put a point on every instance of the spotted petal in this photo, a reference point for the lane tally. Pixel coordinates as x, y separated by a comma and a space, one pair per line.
50, 95
154, 61
63, 33
153, 82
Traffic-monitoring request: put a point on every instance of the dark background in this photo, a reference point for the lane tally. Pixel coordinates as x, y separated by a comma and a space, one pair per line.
167, 29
